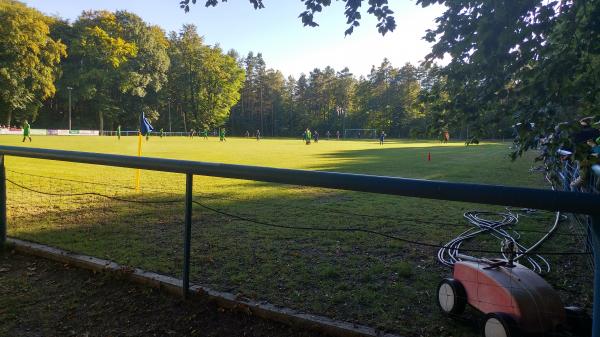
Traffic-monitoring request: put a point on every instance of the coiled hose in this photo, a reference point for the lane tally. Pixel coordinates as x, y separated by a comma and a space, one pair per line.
450, 253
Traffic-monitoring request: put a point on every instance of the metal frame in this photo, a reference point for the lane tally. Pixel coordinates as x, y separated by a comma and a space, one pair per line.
187, 233
3, 223
595, 233
573, 202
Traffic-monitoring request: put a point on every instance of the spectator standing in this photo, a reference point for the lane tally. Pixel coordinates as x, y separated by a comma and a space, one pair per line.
381, 137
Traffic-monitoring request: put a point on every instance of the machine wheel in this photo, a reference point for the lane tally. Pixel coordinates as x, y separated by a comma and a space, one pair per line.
451, 297
578, 321
499, 325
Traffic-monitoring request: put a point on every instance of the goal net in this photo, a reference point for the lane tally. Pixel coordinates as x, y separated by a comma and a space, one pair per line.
360, 133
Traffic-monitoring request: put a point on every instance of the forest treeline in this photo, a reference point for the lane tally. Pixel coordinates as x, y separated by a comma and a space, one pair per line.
113, 65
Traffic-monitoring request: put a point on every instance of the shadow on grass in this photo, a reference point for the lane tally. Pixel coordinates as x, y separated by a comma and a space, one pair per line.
349, 276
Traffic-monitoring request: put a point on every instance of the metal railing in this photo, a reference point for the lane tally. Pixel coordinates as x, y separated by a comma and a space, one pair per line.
568, 172
573, 202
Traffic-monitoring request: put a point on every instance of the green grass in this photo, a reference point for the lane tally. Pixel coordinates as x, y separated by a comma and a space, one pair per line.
349, 276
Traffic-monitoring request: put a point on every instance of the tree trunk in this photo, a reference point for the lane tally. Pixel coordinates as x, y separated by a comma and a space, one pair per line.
101, 122
261, 111
9, 117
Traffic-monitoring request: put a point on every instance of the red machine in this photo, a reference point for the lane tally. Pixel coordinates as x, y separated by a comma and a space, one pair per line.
514, 299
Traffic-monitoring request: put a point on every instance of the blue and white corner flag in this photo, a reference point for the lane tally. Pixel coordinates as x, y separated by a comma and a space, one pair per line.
145, 126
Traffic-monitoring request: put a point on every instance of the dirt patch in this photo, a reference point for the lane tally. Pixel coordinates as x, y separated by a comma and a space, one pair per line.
44, 298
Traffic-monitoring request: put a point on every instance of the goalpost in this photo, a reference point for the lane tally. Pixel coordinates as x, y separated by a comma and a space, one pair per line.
360, 133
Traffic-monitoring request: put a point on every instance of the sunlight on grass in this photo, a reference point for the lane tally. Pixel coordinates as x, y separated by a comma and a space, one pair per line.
485, 163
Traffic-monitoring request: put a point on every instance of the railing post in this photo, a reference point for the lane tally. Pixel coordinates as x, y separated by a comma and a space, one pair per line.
2, 204
187, 233
595, 231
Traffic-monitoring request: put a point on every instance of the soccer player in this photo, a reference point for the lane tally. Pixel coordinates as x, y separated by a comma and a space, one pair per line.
119, 132
192, 133
307, 136
222, 135
247, 134
162, 132
337, 134
257, 134
316, 136
446, 136
26, 131
381, 137
328, 134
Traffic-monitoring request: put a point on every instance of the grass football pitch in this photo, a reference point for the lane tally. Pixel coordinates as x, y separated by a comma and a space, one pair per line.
349, 276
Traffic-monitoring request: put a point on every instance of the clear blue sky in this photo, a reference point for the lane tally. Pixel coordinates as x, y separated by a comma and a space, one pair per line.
277, 32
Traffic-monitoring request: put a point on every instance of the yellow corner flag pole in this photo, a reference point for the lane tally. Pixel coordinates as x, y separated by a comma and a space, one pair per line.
138, 171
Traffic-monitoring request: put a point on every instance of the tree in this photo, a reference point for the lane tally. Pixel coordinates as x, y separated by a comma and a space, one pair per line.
253, 105
535, 61
273, 97
408, 110
220, 86
116, 67
380, 105
301, 99
344, 92
95, 55
203, 82
287, 126
28, 60
143, 77
436, 102
320, 96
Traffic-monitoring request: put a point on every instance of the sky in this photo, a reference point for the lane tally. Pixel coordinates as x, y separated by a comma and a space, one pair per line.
277, 32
